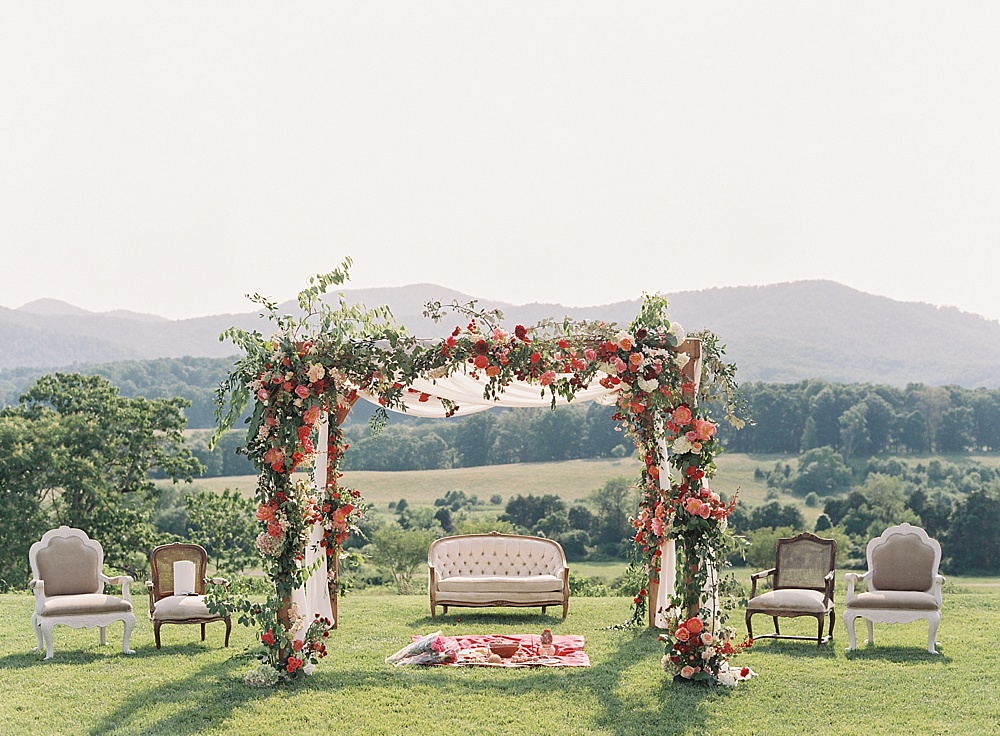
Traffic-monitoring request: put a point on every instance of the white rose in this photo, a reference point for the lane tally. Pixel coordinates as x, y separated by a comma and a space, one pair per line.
681, 446
681, 359
648, 386
677, 331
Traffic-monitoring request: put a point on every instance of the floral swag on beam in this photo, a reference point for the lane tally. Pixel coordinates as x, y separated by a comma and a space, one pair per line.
320, 363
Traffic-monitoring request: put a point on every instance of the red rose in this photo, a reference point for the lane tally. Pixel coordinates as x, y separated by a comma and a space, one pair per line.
536, 356
267, 637
481, 361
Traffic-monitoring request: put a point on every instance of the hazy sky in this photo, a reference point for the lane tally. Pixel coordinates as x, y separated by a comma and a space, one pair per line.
171, 157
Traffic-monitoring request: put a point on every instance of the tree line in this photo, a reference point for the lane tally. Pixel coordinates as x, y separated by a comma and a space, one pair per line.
862, 420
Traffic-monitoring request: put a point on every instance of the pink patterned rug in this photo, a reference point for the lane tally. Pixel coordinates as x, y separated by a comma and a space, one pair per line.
475, 650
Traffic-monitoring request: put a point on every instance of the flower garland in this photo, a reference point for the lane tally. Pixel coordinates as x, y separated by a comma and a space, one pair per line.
292, 378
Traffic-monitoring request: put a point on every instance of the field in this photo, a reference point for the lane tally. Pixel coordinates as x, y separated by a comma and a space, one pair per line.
190, 687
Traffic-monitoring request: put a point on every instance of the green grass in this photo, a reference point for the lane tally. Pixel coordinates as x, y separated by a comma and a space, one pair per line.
193, 688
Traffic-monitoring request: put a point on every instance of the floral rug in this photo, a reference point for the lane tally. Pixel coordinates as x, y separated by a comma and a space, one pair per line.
465, 651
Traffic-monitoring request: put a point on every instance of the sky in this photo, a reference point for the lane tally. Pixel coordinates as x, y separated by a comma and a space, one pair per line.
170, 158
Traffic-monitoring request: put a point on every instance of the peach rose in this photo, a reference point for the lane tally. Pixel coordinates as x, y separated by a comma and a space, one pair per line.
682, 633
687, 672
694, 625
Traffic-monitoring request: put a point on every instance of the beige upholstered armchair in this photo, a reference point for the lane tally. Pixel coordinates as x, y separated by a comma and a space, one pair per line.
68, 582
173, 600
903, 583
803, 585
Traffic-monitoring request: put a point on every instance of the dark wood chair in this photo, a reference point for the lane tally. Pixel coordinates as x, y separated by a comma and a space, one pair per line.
803, 585
167, 608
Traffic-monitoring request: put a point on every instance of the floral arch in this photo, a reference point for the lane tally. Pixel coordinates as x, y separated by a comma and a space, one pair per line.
302, 382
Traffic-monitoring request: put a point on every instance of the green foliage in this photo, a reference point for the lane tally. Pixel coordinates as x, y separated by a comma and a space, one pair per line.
823, 471
401, 553
972, 543
524, 512
223, 523
82, 455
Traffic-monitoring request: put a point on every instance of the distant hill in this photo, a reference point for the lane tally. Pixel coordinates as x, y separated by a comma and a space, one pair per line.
777, 333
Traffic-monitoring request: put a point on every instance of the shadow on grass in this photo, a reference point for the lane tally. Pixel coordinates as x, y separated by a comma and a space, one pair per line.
219, 693
623, 710
801, 649
901, 655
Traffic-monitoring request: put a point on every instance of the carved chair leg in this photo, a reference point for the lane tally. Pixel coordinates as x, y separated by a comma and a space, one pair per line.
819, 634
203, 632
776, 629
831, 625
543, 609
156, 633
850, 619
933, 621
871, 631
444, 610
565, 608
129, 625
47, 635
229, 626
749, 625
104, 635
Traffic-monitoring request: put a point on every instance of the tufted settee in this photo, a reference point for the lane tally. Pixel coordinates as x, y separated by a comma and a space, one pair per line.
497, 570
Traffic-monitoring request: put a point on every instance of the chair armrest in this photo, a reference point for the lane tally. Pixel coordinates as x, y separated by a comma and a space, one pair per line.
853, 578
757, 576
939, 579
123, 580
828, 593
37, 585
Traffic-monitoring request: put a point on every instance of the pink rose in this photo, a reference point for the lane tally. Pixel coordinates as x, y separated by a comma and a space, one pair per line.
590, 354
692, 506
302, 391
547, 378
706, 638
704, 429
658, 526
682, 415
311, 415
263, 395
687, 672
705, 511
682, 634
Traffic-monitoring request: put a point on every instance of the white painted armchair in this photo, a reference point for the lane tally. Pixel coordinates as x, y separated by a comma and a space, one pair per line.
903, 583
69, 587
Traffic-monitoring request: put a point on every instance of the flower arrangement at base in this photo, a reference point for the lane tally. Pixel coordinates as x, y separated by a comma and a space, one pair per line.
696, 653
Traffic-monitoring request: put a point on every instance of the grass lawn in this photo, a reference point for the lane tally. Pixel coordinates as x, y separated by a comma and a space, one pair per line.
193, 688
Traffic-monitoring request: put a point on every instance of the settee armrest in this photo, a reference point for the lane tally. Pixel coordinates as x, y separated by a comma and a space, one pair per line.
757, 576
218, 581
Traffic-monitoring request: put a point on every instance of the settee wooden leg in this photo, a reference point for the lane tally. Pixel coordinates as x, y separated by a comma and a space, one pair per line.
156, 633
543, 609
229, 626
203, 632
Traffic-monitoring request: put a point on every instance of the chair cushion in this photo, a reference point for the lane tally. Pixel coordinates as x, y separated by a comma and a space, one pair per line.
903, 562
180, 607
790, 599
67, 567
895, 600
84, 604
501, 584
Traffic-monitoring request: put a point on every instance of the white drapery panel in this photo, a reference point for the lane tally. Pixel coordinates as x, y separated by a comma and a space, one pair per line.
467, 392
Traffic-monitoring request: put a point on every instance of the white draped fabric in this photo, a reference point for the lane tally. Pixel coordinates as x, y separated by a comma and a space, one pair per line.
424, 397
314, 597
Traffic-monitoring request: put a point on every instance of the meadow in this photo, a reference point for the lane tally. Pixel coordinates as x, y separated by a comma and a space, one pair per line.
190, 687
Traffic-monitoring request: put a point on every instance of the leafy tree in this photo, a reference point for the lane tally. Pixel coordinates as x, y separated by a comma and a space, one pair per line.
525, 511
401, 553
884, 505
224, 524
854, 436
955, 433
97, 450
972, 543
613, 503
823, 471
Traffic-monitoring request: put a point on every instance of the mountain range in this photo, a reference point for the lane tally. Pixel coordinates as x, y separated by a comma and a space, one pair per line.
777, 333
